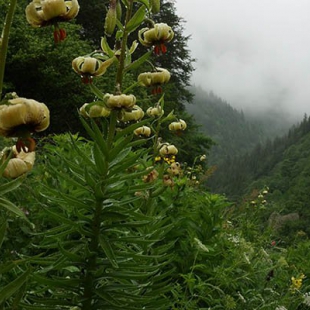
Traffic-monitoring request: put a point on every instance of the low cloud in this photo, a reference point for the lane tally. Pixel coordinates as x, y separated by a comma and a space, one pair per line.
254, 54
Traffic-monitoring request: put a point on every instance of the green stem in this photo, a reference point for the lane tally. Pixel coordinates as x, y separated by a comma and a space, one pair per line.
112, 127
121, 65
92, 261
5, 41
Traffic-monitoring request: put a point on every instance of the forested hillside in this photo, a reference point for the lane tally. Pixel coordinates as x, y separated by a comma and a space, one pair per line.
282, 164
233, 131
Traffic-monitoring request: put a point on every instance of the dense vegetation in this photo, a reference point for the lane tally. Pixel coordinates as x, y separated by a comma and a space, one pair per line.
107, 218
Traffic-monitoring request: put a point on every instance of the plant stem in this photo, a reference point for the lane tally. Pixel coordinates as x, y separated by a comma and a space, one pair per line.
121, 65
5, 41
92, 261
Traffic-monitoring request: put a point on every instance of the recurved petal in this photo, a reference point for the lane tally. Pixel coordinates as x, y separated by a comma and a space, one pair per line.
34, 14
53, 8
72, 9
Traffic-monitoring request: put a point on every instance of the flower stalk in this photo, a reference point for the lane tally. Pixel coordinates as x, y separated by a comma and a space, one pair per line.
122, 57
5, 40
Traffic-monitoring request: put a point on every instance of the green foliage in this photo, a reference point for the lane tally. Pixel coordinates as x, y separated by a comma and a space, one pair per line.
104, 222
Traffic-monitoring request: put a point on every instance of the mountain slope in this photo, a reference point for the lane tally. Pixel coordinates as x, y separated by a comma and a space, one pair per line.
233, 132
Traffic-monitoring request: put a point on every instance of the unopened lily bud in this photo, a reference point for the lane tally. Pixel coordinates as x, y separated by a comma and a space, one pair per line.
155, 111
135, 114
120, 101
168, 150
110, 19
143, 131
180, 125
155, 6
118, 10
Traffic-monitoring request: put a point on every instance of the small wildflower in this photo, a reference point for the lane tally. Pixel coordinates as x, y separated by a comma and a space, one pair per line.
200, 245
306, 300
158, 158
174, 169
168, 181
297, 282
203, 157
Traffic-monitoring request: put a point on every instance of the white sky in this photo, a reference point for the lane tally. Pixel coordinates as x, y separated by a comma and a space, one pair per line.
252, 53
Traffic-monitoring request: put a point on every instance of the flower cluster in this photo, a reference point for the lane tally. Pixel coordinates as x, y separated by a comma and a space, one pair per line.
296, 282
261, 200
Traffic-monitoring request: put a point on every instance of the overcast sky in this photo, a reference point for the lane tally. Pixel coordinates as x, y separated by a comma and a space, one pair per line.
252, 53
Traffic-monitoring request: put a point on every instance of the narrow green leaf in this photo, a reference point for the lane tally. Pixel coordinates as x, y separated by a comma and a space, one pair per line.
100, 140
138, 62
96, 90
66, 283
119, 156
10, 186
3, 228
106, 247
100, 160
13, 286
136, 20
106, 48
144, 2
4, 203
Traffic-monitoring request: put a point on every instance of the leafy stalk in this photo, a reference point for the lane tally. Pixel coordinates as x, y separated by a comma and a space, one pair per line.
91, 264
5, 40
121, 65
